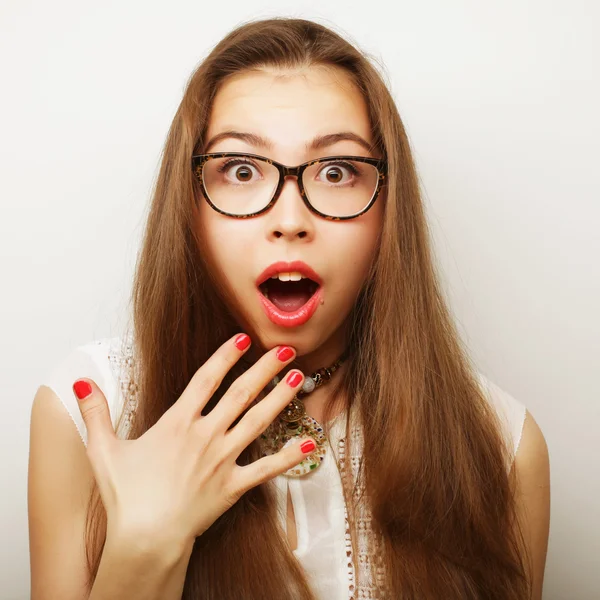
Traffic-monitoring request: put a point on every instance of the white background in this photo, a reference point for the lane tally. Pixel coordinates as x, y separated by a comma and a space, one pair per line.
500, 100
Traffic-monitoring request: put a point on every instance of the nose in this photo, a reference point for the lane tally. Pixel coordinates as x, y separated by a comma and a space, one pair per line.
289, 217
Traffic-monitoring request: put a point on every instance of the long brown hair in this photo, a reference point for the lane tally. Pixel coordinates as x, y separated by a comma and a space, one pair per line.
435, 460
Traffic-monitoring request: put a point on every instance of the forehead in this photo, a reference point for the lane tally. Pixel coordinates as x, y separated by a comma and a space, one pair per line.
290, 106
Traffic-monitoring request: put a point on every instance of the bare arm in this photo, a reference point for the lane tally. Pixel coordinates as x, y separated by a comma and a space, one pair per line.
532, 467
59, 484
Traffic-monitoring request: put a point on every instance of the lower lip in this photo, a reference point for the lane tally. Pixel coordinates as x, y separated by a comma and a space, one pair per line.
291, 319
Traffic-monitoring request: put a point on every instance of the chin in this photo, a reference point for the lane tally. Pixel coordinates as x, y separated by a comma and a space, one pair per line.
304, 342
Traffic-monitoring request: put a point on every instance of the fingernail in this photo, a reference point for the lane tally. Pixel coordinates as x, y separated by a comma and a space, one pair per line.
293, 378
242, 341
307, 446
82, 389
284, 353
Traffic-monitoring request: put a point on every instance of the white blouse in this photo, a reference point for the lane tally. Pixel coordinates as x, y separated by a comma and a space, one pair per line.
323, 540
319, 510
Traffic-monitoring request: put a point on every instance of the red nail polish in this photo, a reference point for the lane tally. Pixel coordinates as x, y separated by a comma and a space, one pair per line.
242, 341
307, 446
82, 389
293, 378
284, 353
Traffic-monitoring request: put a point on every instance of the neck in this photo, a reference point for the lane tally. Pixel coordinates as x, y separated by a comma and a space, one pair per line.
322, 357
325, 355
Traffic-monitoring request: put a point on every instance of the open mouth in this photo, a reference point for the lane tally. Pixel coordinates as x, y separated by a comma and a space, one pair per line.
288, 296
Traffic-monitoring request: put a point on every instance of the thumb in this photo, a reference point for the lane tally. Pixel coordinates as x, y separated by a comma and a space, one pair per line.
94, 410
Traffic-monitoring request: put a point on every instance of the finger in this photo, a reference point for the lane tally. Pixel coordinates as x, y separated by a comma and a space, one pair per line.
261, 415
248, 386
265, 469
94, 410
209, 376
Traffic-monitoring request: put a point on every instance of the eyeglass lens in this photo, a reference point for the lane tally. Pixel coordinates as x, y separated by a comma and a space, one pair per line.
242, 185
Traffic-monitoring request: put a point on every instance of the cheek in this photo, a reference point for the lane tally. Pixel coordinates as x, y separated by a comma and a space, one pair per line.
224, 239
230, 247
351, 255
362, 241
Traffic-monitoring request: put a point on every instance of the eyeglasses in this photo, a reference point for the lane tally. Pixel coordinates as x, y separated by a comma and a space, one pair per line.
242, 185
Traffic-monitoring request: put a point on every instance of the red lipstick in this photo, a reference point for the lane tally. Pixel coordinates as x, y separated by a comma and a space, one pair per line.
306, 311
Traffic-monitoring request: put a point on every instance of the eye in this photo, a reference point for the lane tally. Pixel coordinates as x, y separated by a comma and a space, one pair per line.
246, 172
337, 172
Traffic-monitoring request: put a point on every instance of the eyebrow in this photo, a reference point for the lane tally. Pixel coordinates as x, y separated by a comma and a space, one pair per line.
318, 143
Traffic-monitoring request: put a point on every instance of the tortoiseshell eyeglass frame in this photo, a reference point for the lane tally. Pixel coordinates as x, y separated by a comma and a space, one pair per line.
199, 160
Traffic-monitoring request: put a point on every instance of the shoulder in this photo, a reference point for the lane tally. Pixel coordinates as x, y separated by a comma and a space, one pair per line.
531, 465
532, 461
102, 360
60, 478
532, 471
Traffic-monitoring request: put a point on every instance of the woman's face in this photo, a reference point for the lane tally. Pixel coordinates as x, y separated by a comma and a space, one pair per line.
289, 109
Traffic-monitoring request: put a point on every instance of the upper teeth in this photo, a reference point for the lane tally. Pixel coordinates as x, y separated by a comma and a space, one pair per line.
292, 276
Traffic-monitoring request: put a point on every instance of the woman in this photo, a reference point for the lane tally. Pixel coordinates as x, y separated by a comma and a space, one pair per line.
275, 305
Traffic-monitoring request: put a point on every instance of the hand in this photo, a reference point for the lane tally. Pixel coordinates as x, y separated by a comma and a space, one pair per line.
176, 479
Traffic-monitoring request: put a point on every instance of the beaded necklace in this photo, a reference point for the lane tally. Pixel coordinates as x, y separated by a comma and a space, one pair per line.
293, 423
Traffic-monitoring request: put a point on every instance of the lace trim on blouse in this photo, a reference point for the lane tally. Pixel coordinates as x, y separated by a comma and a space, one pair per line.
369, 546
